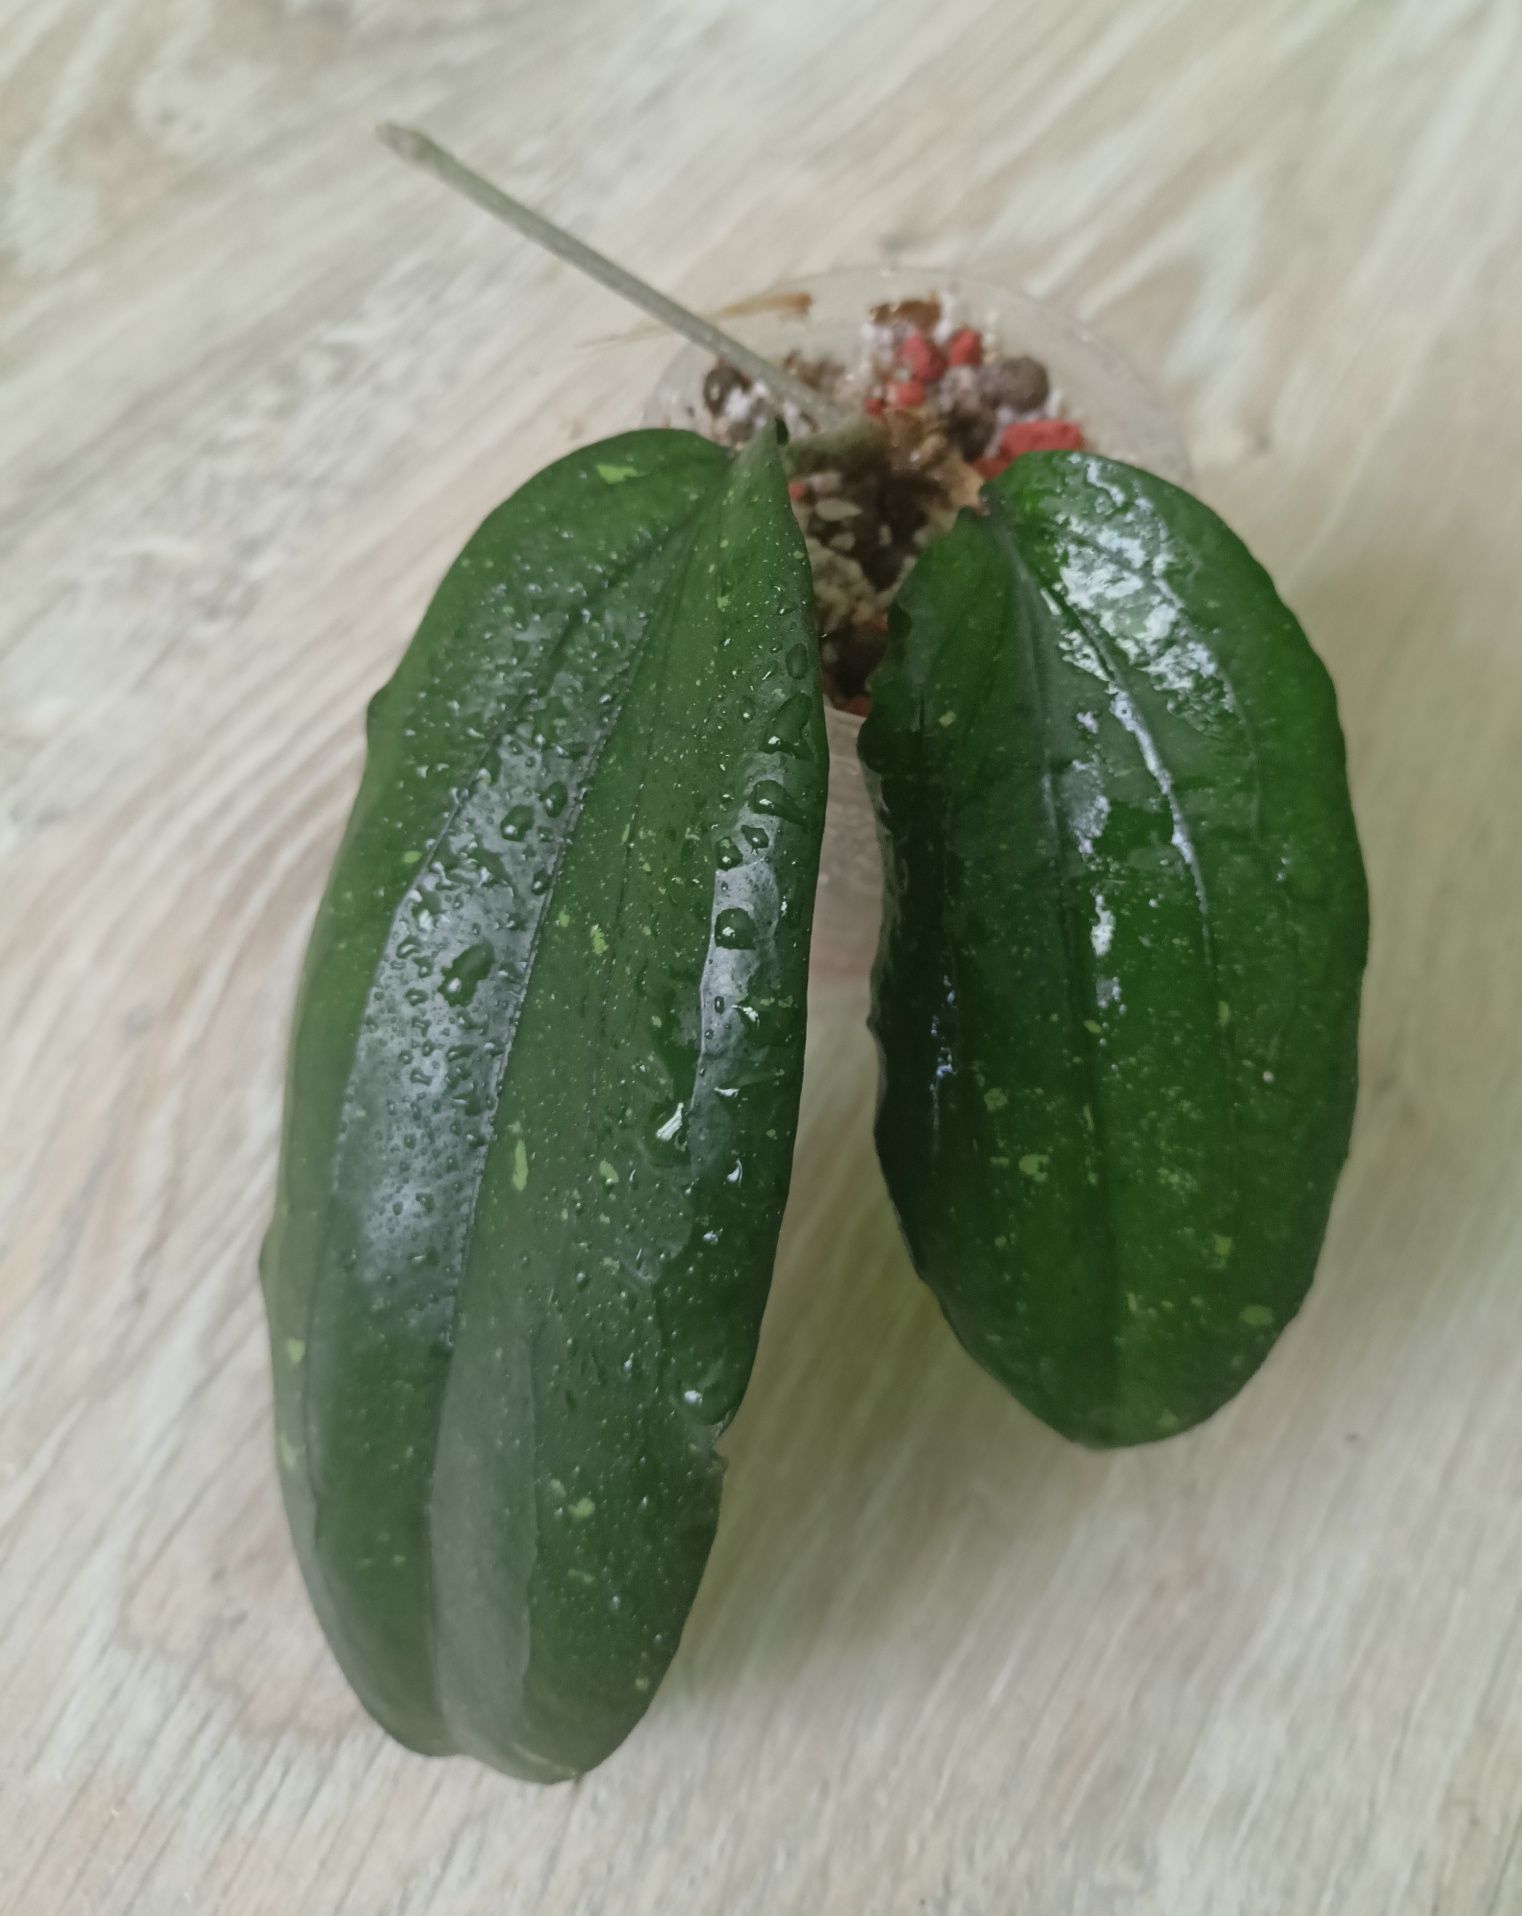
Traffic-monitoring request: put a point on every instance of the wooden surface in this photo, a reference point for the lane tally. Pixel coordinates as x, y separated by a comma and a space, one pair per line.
259, 382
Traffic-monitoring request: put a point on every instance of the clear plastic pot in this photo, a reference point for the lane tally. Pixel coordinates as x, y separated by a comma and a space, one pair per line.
1120, 413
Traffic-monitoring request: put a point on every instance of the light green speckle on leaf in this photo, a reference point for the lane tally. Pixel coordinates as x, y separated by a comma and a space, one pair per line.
599, 942
412, 858
609, 1174
290, 1454
1222, 1247
995, 1099
581, 1509
295, 1349
1033, 1165
520, 1166
615, 475
947, 718
1257, 1317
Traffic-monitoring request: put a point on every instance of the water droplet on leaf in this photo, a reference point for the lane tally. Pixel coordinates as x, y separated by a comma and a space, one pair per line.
463, 976
789, 726
734, 929
775, 799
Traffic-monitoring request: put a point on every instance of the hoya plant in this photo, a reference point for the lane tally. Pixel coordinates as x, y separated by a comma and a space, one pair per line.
545, 1069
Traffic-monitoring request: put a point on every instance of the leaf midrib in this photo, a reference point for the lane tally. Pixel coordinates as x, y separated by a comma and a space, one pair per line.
1149, 748
546, 669
688, 528
1028, 591
673, 595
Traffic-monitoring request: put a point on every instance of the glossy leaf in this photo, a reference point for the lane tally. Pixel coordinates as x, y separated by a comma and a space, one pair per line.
541, 1101
1117, 995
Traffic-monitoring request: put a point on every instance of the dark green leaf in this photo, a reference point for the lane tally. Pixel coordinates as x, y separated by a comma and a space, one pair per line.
541, 1102
1117, 996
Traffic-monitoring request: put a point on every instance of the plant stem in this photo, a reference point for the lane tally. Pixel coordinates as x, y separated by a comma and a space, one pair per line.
860, 442
420, 151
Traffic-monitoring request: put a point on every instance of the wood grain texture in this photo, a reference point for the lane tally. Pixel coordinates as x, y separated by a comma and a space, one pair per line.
259, 383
